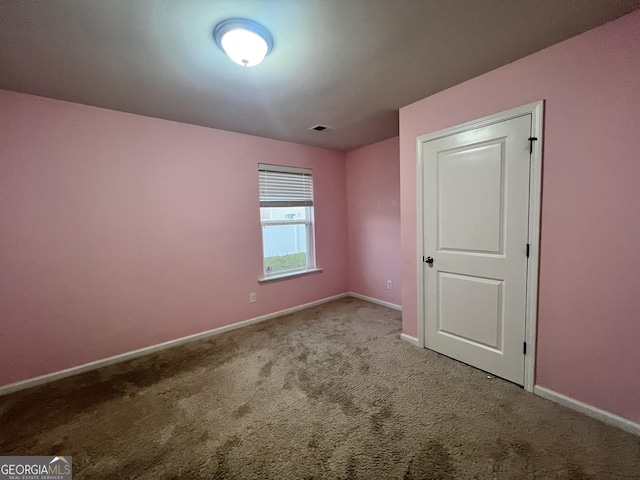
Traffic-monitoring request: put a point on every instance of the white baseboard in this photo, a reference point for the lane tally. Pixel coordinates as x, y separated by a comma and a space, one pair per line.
410, 339
50, 377
594, 412
375, 300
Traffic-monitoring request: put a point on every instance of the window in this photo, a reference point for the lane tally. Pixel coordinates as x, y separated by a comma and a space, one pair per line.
286, 214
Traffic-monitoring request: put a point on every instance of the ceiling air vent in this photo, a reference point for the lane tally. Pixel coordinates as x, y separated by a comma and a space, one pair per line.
321, 128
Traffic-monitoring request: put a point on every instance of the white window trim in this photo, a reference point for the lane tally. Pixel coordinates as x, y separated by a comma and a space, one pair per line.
277, 277
285, 222
284, 169
312, 267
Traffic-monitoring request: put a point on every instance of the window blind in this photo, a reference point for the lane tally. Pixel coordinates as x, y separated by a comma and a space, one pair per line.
285, 186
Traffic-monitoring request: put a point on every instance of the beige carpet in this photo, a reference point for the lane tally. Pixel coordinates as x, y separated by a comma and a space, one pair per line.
327, 393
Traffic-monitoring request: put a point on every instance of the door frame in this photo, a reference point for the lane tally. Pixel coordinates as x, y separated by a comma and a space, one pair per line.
536, 110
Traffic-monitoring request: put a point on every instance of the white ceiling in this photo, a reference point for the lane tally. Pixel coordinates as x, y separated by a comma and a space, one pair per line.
350, 64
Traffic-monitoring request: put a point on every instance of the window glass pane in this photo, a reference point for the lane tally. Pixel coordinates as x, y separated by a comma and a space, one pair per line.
285, 213
285, 247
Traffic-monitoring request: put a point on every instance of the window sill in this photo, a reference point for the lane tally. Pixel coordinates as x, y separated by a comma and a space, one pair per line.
288, 275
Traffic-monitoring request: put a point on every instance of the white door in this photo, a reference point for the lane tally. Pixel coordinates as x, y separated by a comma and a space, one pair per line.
476, 207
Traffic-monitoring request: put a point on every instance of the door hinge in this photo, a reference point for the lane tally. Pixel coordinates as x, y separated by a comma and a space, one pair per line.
531, 140
524, 348
527, 250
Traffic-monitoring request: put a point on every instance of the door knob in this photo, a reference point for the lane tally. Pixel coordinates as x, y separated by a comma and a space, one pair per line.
429, 260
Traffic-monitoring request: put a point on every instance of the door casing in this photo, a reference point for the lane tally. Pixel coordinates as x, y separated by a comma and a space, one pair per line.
536, 110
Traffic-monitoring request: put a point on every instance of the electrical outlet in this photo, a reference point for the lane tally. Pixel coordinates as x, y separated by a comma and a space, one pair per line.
389, 285
252, 298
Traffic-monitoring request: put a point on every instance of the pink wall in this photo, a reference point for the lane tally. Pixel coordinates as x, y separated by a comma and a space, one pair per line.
120, 231
589, 307
373, 200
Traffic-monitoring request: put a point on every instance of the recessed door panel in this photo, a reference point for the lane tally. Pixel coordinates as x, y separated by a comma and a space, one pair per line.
478, 317
470, 186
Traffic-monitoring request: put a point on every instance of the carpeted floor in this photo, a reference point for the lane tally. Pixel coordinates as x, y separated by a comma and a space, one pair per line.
326, 393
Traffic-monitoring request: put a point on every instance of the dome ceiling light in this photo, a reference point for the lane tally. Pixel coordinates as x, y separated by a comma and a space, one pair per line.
244, 41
